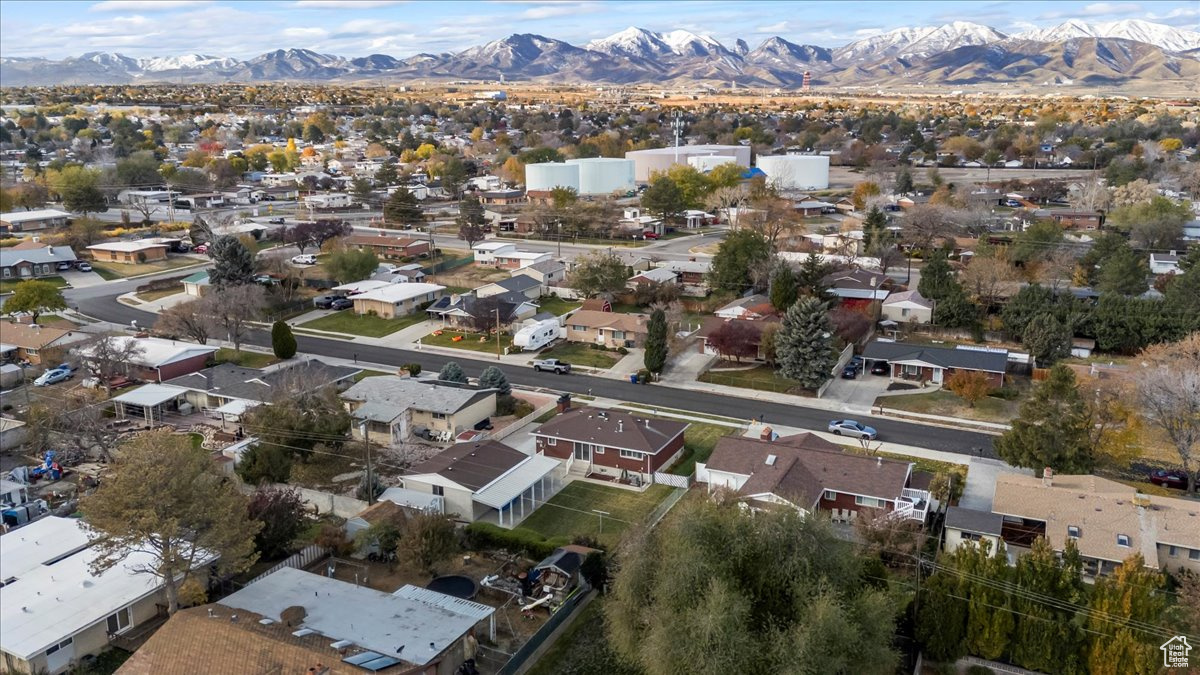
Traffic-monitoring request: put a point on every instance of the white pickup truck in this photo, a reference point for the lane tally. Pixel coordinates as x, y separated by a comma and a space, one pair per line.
553, 365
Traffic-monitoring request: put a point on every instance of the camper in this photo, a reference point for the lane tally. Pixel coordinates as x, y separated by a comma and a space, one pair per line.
537, 335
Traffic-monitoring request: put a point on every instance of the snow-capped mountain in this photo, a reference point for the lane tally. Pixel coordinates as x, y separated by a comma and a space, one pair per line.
186, 62
1104, 54
919, 42
1166, 37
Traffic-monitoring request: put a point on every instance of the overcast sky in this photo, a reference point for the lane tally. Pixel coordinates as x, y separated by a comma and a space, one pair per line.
361, 27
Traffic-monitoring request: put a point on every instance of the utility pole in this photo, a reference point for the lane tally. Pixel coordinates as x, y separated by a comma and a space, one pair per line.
497, 333
370, 477
677, 127
560, 239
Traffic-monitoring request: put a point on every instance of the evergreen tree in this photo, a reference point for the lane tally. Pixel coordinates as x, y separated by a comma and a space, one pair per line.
386, 175
1046, 638
904, 181
783, 287
1053, 428
1128, 595
265, 463
402, 208
233, 263
804, 344
1123, 272
740, 253
874, 228
1047, 339
942, 622
1029, 302
494, 378
937, 279
989, 617
656, 342
955, 309
810, 280
452, 372
283, 342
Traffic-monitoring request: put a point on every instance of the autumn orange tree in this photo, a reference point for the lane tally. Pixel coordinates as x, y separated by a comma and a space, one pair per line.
969, 385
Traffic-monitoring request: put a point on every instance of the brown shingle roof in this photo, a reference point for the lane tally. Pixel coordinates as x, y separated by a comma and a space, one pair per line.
192, 642
21, 335
806, 465
588, 318
613, 429
472, 465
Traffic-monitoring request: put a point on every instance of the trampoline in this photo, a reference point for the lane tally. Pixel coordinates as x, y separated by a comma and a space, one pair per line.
454, 584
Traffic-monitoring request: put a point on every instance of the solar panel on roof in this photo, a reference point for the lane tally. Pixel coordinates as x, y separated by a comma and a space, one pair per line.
359, 659
379, 663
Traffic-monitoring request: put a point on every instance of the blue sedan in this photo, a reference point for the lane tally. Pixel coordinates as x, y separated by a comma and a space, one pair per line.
852, 428
53, 377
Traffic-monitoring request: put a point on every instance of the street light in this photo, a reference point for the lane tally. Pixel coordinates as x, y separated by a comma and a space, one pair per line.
559, 223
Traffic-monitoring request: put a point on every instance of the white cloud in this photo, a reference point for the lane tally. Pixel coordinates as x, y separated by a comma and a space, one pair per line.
345, 4
371, 27
1177, 13
1110, 8
145, 5
299, 33
557, 9
781, 27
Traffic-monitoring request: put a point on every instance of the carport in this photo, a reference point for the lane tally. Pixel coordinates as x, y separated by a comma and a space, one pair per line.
521, 490
150, 402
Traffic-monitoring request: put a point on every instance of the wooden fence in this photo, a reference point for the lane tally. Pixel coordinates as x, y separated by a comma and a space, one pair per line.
672, 480
299, 560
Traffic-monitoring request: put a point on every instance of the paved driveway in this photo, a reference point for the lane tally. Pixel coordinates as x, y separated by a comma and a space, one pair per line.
857, 395
79, 279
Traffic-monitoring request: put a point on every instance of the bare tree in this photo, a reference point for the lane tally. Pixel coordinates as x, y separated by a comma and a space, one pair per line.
771, 217
727, 201
925, 224
1092, 195
75, 426
110, 356
1168, 389
233, 308
986, 277
191, 320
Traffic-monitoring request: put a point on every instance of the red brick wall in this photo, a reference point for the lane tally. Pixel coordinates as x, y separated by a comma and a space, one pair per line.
184, 367
611, 457
844, 501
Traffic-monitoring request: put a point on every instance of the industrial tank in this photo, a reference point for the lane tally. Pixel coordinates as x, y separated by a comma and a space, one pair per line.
796, 172
604, 175
549, 175
706, 163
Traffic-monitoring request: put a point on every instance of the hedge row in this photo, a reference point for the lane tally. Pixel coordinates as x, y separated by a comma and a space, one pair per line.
528, 542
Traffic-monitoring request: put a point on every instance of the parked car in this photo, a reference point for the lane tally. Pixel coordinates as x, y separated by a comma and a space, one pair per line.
63, 266
852, 428
341, 303
325, 301
83, 266
649, 235
53, 376
266, 280
880, 368
275, 221
201, 249
1012, 204
553, 365
484, 424
1174, 478
853, 368
306, 259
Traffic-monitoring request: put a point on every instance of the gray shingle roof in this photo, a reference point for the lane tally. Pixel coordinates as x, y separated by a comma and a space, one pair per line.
253, 384
37, 256
403, 393
612, 428
966, 359
970, 520
518, 284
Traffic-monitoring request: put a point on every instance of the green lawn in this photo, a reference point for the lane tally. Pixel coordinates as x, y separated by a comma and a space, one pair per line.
369, 373
469, 341
151, 296
761, 378
244, 358
197, 440
347, 321
10, 286
625, 508
698, 442
942, 402
580, 354
111, 270
629, 308
556, 305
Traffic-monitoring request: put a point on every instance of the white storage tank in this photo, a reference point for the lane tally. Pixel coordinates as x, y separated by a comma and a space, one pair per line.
654, 160
549, 175
604, 175
706, 163
796, 172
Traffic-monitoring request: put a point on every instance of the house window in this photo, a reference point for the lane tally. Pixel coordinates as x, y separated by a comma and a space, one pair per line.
579, 328
618, 335
830, 495
869, 501
119, 622
62, 645
1123, 540
1073, 531
7, 272
439, 490
438, 416
1194, 554
970, 536
904, 311
598, 449
630, 454
1172, 551
551, 441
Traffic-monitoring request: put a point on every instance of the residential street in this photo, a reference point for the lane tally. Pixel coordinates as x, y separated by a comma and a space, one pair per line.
101, 305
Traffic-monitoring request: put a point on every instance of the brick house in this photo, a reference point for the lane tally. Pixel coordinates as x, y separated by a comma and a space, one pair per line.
157, 359
502, 197
33, 221
611, 443
1077, 220
130, 252
922, 363
30, 342
811, 474
30, 261
611, 329
388, 247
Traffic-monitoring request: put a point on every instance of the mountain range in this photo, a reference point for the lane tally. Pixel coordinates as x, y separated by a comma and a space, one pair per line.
955, 54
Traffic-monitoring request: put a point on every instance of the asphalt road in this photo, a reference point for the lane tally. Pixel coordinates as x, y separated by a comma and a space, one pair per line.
106, 308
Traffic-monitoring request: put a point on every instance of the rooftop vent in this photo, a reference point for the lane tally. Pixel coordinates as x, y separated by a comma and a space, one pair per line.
771, 460
303, 631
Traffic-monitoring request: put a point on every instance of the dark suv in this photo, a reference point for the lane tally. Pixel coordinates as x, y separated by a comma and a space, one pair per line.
326, 301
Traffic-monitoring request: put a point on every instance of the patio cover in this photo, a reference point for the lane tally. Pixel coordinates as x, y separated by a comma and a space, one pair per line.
516, 481
150, 395
236, 407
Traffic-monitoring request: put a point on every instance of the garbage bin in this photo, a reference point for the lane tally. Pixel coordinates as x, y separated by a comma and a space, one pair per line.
633, 379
